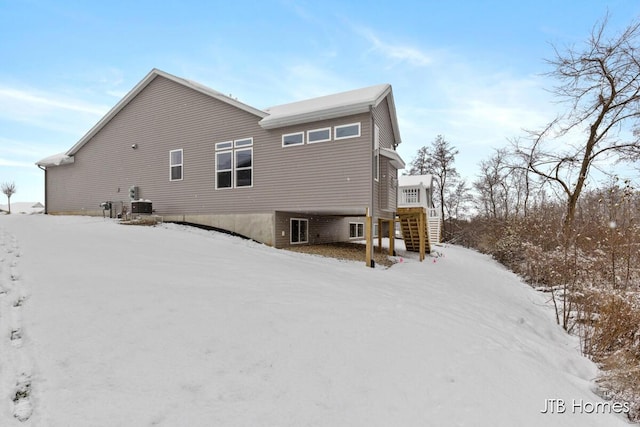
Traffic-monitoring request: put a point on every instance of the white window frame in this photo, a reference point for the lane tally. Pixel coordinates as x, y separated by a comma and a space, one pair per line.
335, 131
224, 170
233, 147
309, 132
292, 134
244, 142
236, 168
226, 145
299, 242
359, 228
181, 164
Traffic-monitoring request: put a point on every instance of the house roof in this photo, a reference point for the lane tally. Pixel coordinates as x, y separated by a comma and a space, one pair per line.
55, 160
416, 181
144, 83
325, 107
330, 107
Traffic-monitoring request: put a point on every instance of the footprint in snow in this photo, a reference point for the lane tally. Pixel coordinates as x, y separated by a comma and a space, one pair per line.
22, 408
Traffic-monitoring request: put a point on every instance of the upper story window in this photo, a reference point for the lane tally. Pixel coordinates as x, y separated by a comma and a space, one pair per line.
224, 145
234, 163
175, 165
243, 142
293, 139
319, 135
347, 131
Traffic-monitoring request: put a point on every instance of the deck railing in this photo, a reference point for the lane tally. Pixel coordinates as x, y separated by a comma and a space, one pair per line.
410, 196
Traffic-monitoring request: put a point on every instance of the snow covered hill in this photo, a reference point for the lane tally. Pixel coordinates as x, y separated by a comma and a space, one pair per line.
103, 324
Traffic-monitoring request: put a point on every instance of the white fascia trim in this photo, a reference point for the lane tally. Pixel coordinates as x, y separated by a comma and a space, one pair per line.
312, 116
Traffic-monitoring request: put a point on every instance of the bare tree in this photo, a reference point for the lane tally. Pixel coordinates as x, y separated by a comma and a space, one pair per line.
457, 199
437, 159
440, 159
8, 188
601, 85
503, 187
491, 186
419, 163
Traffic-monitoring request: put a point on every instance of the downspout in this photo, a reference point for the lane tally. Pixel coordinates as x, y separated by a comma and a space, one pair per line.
46, 204
373, 181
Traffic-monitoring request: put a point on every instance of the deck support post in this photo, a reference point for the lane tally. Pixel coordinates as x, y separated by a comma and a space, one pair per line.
392, 236
422, 221
368, 232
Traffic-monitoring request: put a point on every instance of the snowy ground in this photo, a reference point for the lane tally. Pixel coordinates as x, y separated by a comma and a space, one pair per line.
23, 207
109, 325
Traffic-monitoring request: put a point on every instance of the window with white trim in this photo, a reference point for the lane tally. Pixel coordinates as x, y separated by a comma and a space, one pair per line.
347, 131
293, 139
247, 142
244, 167
227, 145
356, 230
319, 135
234, 163
299, 230
224, 169
175, 165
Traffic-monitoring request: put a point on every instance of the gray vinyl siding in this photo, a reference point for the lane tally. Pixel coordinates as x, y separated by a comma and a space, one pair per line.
386, 186
332, 178
165, 116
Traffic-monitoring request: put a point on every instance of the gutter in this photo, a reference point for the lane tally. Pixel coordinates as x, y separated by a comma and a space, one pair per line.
373, 181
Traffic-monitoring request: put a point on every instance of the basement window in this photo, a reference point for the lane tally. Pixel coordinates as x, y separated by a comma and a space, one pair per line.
356, 230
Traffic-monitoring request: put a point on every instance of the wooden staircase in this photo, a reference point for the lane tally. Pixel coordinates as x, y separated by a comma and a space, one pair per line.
415, 230
435, 226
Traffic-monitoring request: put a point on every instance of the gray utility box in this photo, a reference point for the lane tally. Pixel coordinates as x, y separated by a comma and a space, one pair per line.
141, 207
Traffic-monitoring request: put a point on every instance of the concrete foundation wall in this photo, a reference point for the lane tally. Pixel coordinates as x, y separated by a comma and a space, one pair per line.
257, 226
86, 212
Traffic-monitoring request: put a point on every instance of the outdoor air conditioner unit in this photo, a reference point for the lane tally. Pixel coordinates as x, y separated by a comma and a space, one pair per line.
142, 207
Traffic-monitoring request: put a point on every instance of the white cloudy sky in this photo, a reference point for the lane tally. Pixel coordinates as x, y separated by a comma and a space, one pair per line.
469, 70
